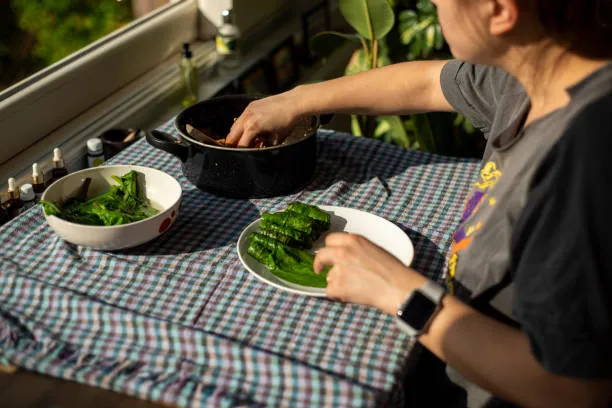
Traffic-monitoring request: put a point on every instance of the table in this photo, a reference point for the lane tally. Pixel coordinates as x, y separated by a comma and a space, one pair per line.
180, 321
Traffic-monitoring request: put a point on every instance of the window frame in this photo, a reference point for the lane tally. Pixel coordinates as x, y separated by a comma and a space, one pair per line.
35, 107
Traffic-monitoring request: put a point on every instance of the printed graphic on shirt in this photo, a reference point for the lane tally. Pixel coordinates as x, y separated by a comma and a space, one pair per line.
462, 238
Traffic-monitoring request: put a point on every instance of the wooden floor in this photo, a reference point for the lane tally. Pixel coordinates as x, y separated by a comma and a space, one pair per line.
24, 389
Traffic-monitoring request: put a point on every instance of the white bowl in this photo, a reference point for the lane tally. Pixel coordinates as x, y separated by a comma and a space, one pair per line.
163, 191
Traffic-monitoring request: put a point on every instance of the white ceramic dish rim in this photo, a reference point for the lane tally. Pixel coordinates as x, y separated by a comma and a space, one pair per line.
301, 289
112, 227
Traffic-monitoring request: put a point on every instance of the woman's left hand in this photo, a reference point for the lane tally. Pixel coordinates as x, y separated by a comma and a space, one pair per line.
364, 273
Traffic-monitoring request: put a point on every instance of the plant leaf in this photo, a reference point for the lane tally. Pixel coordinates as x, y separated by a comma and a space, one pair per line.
397, 130
325, 43
439, 37
358, 63
373, 19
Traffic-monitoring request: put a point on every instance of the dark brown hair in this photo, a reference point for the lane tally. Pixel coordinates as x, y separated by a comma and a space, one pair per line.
582, 26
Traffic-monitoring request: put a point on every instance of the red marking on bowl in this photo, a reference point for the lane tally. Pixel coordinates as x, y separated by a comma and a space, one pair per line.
164, 225
173, 213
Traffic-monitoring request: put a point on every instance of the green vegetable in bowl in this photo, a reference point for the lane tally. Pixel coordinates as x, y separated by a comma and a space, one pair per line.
122, 204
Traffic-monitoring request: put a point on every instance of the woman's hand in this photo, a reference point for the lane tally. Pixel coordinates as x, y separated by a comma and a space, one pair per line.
272, 119
364, 273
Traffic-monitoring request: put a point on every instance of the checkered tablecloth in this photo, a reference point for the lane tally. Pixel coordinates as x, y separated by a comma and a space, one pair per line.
181, 321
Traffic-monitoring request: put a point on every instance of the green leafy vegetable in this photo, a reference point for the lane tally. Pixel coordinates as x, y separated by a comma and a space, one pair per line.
283, 235
122, 204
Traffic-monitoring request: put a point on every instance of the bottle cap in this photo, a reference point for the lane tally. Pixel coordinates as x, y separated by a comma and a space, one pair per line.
12, 184
227, 15
27, 192
13, 190
187, 50
94, 145
58, 158
37, 176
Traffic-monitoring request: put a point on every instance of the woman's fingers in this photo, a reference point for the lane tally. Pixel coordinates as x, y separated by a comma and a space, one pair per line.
327, 256
235, 133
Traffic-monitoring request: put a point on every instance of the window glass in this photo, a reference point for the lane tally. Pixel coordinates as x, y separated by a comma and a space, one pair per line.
37, 34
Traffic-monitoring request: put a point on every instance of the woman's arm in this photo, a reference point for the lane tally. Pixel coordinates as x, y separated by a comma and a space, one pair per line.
486, 352
408, 87
498, 358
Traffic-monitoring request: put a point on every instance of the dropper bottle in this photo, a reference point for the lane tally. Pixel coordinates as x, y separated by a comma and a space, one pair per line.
189, 74
59, 168
14, 202
4, 215
38, 180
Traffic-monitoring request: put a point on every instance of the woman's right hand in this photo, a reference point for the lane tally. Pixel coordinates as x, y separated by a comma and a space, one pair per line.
272, 119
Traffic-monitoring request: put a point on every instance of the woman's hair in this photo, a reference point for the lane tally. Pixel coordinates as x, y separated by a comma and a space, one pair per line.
582, 26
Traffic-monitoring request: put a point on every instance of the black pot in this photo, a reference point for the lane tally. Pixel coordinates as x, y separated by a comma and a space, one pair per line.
238, 172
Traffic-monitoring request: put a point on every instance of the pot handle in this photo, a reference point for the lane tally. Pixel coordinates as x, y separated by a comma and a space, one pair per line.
167, 143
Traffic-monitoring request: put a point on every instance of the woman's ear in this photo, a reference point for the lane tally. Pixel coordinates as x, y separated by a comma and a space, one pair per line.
503, 17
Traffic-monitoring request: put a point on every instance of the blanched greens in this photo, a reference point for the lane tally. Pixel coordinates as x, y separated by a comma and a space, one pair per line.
280, 243
122, 204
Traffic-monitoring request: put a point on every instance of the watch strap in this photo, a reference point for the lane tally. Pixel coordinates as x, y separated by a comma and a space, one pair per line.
433, 292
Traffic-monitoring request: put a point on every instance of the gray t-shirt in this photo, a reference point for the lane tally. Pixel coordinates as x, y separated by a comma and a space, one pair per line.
535, 226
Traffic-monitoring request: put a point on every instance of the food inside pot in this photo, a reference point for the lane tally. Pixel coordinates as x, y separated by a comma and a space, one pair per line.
303, 128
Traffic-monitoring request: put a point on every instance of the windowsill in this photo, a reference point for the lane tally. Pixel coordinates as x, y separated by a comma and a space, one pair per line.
147, 102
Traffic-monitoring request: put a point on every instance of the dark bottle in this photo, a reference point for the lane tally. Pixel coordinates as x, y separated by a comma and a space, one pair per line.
59, 168
4, 215
38, 179
14, 203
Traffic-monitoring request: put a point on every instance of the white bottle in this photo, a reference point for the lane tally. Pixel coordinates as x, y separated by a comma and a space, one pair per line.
228, 41
95, 152
27, 196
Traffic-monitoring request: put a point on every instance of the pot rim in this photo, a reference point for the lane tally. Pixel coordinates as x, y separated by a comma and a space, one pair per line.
181, 116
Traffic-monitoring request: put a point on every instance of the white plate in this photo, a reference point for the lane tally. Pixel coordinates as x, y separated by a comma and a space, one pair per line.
378, 230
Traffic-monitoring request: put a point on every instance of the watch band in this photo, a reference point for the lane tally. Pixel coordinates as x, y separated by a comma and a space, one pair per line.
432, 292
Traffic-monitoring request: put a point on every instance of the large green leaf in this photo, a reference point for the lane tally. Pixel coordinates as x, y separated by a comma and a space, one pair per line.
373, 19
326, 42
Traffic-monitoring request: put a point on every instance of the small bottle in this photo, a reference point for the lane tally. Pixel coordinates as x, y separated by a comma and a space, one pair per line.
228, 41
28, 197
38, 180
189, 75
4, 215
14, 203
59, 168
95, 152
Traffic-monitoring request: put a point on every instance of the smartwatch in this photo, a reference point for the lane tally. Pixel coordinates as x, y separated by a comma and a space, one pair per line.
418, 308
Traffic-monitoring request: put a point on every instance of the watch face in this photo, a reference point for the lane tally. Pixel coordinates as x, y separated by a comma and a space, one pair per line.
417, 311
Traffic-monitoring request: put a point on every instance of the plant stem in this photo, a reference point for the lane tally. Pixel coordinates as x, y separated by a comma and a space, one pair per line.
370, 29
374, 53
366, 51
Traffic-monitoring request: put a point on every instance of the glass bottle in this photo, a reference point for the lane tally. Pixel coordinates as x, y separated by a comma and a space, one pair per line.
95, 152
38, 179
14, 203
189, 75
59, 168
4, 216
28, 197
228, 41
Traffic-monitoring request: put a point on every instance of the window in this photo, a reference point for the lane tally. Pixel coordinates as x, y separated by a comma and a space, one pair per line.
141, 34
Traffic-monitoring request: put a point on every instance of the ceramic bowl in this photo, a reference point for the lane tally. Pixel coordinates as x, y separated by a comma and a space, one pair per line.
163, 191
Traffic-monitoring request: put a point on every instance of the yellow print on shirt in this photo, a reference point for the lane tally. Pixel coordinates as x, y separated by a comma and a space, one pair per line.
489, 176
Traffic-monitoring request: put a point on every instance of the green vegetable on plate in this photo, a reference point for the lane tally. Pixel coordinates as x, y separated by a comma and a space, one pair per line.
280, 243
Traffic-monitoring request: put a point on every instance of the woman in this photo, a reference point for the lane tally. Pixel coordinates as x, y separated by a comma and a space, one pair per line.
528, 313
